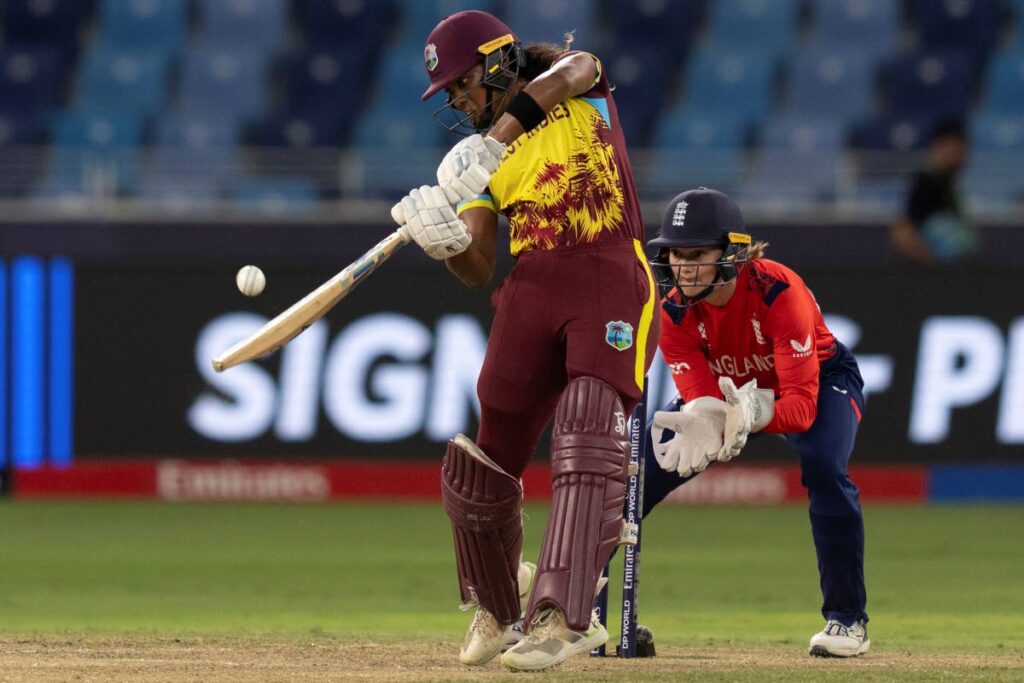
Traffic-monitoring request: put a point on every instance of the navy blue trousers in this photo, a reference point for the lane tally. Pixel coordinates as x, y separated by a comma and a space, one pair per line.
837, 524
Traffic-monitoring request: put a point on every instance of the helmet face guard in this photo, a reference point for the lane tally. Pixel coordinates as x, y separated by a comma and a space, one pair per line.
735, 254
501, 65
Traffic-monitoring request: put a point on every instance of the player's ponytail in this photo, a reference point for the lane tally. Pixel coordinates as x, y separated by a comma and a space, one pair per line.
756, 250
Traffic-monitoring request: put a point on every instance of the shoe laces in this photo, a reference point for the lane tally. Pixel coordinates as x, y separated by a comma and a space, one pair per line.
836, 628
483, 620
545, 624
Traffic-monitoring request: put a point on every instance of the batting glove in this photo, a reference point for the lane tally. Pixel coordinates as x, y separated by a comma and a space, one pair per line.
431, 222
466, 170
749, 410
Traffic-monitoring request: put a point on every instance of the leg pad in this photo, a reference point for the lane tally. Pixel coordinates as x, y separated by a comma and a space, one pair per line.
589, 463
484, 504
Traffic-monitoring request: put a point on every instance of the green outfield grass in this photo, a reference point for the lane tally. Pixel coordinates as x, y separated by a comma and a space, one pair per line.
940, 579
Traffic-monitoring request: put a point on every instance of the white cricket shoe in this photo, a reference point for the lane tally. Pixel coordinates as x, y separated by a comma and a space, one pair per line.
838, 640
551, 642
486, 638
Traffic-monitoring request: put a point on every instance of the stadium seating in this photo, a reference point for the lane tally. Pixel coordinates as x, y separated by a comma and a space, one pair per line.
829, 83
969, 26
716, 92
95, 155
640, 73
143, 24
123, 81
332, 23
857, 24
664, 24
31, 78
690, 150
764, 26
547, 21
55, 23
224, 81
730, 82
253, 24
799, 161
937, 83
1004, 87
276, 195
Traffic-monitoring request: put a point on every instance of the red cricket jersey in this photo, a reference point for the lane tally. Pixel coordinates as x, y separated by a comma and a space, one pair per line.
771, 330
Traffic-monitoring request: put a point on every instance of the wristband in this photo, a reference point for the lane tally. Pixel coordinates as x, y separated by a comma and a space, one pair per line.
526, 110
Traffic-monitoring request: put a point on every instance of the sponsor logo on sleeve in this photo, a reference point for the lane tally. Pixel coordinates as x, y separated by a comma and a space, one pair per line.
802, 349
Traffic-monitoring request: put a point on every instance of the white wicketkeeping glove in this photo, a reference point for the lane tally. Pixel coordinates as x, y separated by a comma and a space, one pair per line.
466, 170
750, 410
698, 428
431, 222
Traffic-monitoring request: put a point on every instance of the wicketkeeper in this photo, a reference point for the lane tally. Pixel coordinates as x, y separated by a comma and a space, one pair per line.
573, 333
750, 353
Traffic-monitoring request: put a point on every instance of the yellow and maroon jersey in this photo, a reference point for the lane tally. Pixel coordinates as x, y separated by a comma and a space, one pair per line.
771, 330
568, 181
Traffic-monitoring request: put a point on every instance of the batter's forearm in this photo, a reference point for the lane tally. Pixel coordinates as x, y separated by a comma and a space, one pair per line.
472, 267
547, 90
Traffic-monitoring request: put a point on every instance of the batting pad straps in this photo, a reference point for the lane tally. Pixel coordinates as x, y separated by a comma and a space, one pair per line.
484, 504
589, 461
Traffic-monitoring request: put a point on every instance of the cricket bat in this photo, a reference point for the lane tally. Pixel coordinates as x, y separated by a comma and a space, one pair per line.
316, 304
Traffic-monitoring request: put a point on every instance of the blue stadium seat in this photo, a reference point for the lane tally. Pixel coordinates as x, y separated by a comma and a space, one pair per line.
96, 131
191, 157
54, 23
143, 24
871, 25
275, 195
332, 79
826, 83
18, 129
251, 24
20, 126
900, 133
639, 72
94, 154
732, 82
416, 18
798, 160
122, 81
546, 21
395, 149
691, 150
992, 180
667, 24
223, 81
195, 132
314, 128
766, 26
1004, 89
329, 23
997, 131
964, 25
936, 83
31, 78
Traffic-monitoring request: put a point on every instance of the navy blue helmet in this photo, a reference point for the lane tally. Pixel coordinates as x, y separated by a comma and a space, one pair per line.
701, 218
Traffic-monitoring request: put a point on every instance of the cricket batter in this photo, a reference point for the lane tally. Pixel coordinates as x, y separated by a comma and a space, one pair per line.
749, 352
573, 332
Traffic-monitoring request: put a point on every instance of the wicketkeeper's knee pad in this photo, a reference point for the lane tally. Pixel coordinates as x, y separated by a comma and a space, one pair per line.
589, 465
485, 506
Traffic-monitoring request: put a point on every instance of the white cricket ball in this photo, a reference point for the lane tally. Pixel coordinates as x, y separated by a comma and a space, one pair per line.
250, 280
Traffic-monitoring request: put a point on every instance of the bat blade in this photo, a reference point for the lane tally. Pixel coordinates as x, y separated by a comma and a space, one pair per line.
310, 308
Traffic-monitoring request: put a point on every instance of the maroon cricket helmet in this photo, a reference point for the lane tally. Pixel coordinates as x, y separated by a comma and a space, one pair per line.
458, 43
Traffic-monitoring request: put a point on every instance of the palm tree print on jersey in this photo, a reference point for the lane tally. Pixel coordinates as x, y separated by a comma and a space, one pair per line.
572, 202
